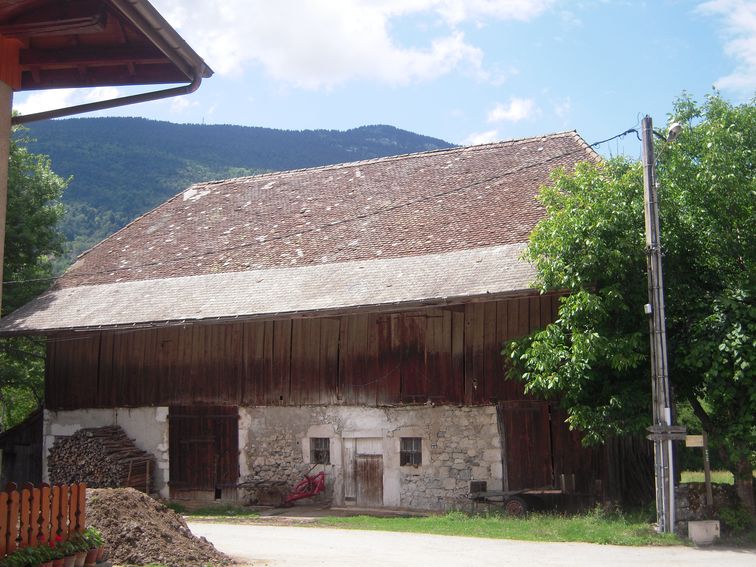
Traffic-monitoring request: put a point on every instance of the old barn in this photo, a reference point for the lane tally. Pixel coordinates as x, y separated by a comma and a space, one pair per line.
348, 316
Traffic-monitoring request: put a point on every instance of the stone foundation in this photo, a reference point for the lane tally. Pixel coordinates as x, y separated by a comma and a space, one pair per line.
459, 444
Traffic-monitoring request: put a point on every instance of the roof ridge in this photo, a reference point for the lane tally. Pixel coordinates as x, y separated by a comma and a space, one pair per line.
397, 157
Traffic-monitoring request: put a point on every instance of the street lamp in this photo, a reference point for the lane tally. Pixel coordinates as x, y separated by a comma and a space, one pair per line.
662, 432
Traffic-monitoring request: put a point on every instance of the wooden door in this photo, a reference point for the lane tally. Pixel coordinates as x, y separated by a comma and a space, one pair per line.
526, 441
368, 471
203, 449
369, 480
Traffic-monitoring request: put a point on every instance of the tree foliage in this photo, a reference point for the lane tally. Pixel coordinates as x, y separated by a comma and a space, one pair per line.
591, 243
32, 240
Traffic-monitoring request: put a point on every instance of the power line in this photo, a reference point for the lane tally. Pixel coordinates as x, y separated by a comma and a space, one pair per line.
318, 228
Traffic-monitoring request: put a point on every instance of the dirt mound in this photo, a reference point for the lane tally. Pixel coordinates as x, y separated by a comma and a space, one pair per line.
140, 530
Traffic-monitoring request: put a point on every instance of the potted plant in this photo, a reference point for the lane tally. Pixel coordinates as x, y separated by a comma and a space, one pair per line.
68, 550
26, 557
94, 541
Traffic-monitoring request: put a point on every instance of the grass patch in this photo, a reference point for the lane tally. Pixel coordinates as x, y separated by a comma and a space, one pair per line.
593, 527
717, 477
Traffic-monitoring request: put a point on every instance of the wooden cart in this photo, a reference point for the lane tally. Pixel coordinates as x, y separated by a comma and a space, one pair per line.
516, 502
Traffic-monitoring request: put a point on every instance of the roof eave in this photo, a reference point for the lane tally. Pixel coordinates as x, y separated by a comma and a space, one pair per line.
391, 307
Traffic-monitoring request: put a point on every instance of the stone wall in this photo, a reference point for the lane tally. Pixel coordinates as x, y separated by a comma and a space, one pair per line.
459, 444
464, 446
690, 501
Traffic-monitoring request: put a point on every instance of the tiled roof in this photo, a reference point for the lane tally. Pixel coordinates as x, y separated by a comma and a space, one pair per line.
431, 279
402, 231
408, 205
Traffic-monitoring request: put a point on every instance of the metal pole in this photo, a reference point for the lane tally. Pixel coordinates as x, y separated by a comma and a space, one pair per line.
6, 106
662, 414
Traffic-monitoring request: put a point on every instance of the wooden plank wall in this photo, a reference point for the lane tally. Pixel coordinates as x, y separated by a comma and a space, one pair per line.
439, 355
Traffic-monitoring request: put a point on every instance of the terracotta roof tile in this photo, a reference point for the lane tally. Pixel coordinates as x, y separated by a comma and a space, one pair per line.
410, 205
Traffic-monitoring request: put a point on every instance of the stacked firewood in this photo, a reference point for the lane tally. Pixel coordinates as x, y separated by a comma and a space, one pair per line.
104, 457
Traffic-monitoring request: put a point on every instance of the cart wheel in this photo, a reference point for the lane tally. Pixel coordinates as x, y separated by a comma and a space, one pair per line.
515, 506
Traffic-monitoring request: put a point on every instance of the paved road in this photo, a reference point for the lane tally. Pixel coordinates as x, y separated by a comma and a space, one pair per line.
276, 546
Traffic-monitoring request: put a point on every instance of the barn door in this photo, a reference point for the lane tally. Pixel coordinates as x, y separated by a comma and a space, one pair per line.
203, 451
526, 440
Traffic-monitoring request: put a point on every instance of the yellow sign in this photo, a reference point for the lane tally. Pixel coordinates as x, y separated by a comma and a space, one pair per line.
694, 441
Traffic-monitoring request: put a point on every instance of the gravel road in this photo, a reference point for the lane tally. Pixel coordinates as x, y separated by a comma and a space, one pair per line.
276, 546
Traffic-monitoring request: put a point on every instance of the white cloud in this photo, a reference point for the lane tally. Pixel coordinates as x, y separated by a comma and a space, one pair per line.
517, 109
43, 100
481, 138
563, 108
739, 17
53, 99
321, 44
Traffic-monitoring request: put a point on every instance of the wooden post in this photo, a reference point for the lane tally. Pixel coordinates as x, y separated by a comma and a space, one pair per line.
6, 108
707, 470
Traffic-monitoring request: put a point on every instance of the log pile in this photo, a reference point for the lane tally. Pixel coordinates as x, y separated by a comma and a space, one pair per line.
103, 457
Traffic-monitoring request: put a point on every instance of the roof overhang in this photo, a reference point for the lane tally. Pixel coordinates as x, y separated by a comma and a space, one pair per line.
373, 285
51, 44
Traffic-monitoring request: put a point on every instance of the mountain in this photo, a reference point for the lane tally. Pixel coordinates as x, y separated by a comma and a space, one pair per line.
123, 167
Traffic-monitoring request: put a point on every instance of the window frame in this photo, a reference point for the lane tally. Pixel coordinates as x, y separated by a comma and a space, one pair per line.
320, 455
410, 451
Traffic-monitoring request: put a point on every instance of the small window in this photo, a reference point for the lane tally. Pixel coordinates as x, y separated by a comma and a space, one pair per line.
320, 450
411, 451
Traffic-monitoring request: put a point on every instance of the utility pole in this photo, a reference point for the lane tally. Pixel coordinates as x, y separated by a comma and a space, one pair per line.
662, 433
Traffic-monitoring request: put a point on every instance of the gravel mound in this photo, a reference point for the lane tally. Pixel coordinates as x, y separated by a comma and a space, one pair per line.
140, 530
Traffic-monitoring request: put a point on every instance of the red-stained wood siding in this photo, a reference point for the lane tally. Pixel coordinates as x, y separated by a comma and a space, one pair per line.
439, 355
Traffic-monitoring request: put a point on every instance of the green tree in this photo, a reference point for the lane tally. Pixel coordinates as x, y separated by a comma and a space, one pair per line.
591, 244
32, 240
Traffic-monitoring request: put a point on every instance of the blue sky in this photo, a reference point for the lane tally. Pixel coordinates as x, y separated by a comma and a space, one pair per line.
465, 71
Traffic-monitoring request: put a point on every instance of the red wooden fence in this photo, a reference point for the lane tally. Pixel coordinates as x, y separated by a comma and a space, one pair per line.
34, 515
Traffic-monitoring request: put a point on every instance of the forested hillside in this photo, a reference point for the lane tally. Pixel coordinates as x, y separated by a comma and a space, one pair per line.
122, 167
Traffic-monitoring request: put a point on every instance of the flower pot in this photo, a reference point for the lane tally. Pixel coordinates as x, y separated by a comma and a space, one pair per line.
100, 553
80, 557
91, 556
58, 562
69, 560
47, 564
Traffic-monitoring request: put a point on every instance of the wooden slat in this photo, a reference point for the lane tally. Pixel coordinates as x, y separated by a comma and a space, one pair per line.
81, 508
64, 496
14, 507
353, 370
4, 520
35, 517
278, 388
329, 360
73, 507
24, 528
474, 352
55, 529
458, 354
414, 362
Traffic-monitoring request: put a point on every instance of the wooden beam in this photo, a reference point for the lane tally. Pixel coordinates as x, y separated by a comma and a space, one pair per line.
58, 18
90, 56
6, 104
62, 27
10, 71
